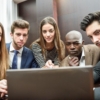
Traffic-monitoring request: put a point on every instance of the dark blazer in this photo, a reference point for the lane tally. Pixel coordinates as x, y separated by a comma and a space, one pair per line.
28, 60
96, 72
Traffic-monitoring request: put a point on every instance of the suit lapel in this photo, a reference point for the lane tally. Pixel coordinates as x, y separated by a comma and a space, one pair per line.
88, 55
24, 58
8, 46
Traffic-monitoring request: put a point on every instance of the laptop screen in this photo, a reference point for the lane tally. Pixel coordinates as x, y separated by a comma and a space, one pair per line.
72, 83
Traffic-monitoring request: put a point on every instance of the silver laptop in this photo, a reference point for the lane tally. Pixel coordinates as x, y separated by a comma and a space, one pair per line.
67, 83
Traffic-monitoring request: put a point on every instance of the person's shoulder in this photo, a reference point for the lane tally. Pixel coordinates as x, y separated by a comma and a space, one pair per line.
35, 43
27, 49
8, 45
28, 53
35, 46
91, 47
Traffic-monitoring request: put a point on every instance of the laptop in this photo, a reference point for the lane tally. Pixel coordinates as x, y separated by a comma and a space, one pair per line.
64, 83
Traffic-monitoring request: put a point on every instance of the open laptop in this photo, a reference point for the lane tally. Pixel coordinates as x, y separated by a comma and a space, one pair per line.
66, 83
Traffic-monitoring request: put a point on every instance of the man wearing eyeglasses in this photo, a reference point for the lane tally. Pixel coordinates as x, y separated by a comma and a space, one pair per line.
78, 53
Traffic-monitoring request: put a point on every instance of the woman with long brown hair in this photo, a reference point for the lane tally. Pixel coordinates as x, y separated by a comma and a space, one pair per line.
4, 61
49, 46
4, 65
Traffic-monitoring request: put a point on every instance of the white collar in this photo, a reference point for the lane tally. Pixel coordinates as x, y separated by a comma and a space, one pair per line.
12, 49
83, 54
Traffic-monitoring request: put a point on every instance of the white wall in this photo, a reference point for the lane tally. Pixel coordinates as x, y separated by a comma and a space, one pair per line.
8, 13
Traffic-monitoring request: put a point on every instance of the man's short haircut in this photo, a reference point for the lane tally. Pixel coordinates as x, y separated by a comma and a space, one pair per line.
89, 19
20, 24
77, 33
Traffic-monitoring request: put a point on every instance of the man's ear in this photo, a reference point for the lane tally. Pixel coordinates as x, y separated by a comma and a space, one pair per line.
11, 34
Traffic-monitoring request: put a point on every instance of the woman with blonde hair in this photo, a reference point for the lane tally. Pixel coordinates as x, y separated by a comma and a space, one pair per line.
49, 46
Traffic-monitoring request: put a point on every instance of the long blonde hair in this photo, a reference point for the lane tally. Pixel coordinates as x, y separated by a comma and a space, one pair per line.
4, 59
59, 45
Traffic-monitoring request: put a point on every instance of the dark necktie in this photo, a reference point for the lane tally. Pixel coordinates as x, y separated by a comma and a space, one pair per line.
14, 63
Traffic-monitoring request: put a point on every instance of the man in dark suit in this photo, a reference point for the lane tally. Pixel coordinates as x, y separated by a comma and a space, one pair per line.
24, 56
91, 24
27, 58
